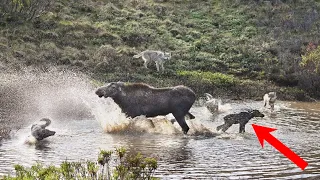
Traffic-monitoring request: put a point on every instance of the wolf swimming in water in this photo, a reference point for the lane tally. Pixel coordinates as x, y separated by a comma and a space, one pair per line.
158, 57
211, 104
40, 132
270, 98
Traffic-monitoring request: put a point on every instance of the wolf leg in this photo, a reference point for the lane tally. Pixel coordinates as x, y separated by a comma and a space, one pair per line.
145, 62
242, 127
157, 64
224, 127
272, 106
162, 66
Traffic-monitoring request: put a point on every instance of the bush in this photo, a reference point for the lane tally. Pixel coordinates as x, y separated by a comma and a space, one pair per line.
217, 79
127, 166
311, 60
25, 10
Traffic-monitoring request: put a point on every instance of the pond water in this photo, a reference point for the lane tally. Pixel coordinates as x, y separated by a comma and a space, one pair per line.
81, 121
227, 155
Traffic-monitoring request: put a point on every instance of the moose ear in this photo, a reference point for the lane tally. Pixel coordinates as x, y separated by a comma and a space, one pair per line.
122, 92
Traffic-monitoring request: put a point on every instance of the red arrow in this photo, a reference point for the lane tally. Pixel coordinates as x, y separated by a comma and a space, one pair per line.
263, 133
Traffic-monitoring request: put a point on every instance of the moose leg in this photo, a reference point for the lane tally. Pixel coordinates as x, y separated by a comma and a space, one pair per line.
191, 116
182, 122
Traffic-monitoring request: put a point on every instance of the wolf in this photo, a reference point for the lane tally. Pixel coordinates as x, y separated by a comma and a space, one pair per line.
158, 57
270, 98
211, 104
40, 132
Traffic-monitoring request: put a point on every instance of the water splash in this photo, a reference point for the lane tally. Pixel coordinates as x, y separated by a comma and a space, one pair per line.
29, 95
223, 107
34, 94
63, 96
108, 114
30, 140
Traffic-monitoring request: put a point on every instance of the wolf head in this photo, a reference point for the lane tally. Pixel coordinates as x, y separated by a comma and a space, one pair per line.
166, 55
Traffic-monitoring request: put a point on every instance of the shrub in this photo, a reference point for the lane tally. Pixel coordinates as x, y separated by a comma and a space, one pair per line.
217, 79
24, 10
105, 53
127, 166
311, 60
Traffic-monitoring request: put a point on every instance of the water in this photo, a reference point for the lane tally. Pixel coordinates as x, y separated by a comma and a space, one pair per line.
81, 121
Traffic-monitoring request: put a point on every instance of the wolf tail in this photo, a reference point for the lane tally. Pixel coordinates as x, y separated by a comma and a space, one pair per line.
48, 122
137, 55
208, 96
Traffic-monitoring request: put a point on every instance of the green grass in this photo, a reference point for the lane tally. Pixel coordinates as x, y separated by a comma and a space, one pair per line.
217, 79
247, 40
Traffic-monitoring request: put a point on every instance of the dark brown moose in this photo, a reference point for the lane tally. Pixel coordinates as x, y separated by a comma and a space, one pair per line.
137, 99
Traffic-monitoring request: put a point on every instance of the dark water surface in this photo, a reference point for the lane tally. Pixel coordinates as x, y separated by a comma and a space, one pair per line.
228, 155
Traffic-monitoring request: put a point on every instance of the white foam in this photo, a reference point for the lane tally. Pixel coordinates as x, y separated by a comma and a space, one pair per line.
224, 107
108, 114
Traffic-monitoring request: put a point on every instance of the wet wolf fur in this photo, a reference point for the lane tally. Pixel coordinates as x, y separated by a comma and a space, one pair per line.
158, 57
270, 98
40, 132
241, 118
211, 104
137, 99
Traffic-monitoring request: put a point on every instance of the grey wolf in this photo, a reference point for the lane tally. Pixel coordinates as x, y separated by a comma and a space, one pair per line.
158, 57
241, 118
215, 105
137, 99
270, 98
211, 104
40, 132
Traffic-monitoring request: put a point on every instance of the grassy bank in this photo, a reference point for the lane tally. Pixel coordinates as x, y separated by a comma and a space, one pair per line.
236, 49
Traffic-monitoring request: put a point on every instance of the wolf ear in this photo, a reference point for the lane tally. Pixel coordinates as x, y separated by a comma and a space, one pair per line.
120, 85
168, 54
208, 96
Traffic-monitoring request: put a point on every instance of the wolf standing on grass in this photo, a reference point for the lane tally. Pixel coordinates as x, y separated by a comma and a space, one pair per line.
158, 57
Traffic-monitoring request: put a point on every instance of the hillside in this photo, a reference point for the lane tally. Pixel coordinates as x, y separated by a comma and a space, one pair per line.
236, 49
